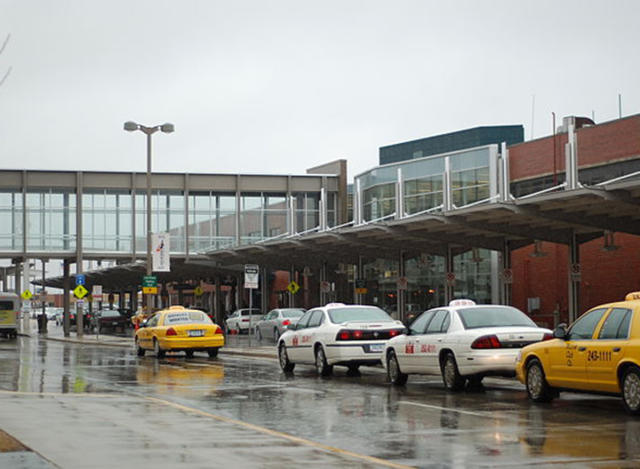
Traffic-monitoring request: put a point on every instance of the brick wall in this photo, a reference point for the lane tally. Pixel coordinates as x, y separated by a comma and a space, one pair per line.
610, 141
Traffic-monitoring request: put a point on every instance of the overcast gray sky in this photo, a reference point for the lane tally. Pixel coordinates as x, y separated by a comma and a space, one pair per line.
280, 86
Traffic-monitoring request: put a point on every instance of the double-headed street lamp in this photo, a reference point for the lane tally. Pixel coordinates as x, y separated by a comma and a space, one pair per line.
149, 131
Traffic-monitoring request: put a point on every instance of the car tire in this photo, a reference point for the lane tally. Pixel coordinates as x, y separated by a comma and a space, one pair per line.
258, 334
139, 350
322, 367
394, 374
189, 353
213, 352
630, 386
157, 350
538, 389
283, 359
451, 377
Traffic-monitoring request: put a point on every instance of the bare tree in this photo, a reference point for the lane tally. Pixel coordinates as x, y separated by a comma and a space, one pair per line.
4, 44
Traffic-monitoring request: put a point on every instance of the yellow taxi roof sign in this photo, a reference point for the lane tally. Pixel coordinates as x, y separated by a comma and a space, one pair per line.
635, 295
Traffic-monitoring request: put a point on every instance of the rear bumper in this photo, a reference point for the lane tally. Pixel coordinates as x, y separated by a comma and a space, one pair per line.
191, 343
360, 354
489, 362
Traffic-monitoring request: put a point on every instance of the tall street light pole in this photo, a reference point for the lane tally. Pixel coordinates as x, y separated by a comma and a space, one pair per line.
130, 126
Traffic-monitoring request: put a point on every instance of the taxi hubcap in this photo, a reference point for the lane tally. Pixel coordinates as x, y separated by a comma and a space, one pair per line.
283, 357
393, 368
449, 371
320, 360
632, 391
535, 381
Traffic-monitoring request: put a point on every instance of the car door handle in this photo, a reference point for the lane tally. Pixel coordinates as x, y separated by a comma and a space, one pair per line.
582, 349
616, 349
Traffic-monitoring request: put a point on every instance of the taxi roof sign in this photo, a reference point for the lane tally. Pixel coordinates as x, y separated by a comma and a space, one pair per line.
462, 302
632, 296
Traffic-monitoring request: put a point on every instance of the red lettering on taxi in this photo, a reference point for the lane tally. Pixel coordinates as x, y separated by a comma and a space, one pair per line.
409, 348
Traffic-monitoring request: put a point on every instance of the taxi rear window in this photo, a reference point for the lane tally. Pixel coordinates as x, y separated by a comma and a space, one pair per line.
340, 315
186, 317
496, 316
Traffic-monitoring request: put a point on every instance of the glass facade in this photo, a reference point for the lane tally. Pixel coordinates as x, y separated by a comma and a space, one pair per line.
212, 221
115, 220
423, 184
51, 220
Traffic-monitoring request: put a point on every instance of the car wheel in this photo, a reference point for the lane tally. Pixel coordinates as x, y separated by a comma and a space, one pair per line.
139, 350
213, 352
283, 358
322, 367
631, 390
258, 334
451, 377
189, 353
538, 389
396, 376
157, 350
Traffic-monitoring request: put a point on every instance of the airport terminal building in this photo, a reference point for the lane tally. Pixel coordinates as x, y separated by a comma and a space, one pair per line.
549, 225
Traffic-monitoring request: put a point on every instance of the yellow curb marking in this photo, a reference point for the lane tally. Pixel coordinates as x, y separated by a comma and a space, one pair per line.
278, 434
240, 423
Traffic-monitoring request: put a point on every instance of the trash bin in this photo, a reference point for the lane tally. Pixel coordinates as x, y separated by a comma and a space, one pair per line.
42, 323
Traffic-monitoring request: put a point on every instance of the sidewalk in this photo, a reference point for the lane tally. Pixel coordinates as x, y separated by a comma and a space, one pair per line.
234, 345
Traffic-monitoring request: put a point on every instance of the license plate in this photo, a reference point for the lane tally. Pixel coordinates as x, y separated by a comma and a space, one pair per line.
196, 333
376, 347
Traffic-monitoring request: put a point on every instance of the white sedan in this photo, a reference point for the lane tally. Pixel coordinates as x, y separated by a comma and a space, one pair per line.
461, 342
337, 334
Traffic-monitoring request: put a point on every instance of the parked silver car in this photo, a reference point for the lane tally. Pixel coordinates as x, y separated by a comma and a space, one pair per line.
277, 321
239, 321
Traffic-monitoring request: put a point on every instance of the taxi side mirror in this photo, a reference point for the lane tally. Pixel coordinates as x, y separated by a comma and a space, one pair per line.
560, 332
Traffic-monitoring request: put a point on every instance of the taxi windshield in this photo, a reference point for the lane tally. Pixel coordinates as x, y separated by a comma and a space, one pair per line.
186, 317
495, 316
364, 314
292, 313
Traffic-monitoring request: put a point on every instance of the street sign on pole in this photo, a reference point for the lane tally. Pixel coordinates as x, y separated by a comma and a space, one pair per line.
80, 279
251, 276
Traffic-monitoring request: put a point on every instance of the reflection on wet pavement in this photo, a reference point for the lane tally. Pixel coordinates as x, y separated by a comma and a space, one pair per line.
418, 425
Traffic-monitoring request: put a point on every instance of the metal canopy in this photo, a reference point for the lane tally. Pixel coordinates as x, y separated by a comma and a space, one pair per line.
555, 217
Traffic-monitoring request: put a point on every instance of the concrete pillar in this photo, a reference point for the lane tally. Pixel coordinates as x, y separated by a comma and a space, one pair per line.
401, 304
323, 278
66, 287
574, 278
507, 274
292, 277
448, 289
264, 290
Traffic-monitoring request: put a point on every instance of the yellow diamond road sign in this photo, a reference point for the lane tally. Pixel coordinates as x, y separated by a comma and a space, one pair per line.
80, 291
293, 287
198, 291
26, 295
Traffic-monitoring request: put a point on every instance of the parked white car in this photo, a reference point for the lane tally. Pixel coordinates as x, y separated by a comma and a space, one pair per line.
461, 342
276, 321
240, 319
337, 334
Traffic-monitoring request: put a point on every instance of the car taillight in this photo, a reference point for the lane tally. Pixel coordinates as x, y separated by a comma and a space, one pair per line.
395, 332
357, 335
171, 331
486, 341
218, 330
286, 322
547, 336
344, 335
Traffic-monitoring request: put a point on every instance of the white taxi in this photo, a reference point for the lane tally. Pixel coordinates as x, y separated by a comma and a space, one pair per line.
337, 334
461, 342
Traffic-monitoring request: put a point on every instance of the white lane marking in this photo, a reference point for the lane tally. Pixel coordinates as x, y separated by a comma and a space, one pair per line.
449, 409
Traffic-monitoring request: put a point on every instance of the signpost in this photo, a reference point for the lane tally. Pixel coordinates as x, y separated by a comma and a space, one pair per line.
150, 285
80, 279
251, 280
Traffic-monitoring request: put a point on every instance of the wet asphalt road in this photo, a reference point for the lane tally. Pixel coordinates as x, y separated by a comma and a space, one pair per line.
95, 406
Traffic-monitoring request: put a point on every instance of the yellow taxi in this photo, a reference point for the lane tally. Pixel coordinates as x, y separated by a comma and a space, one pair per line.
599, 353
179, 329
